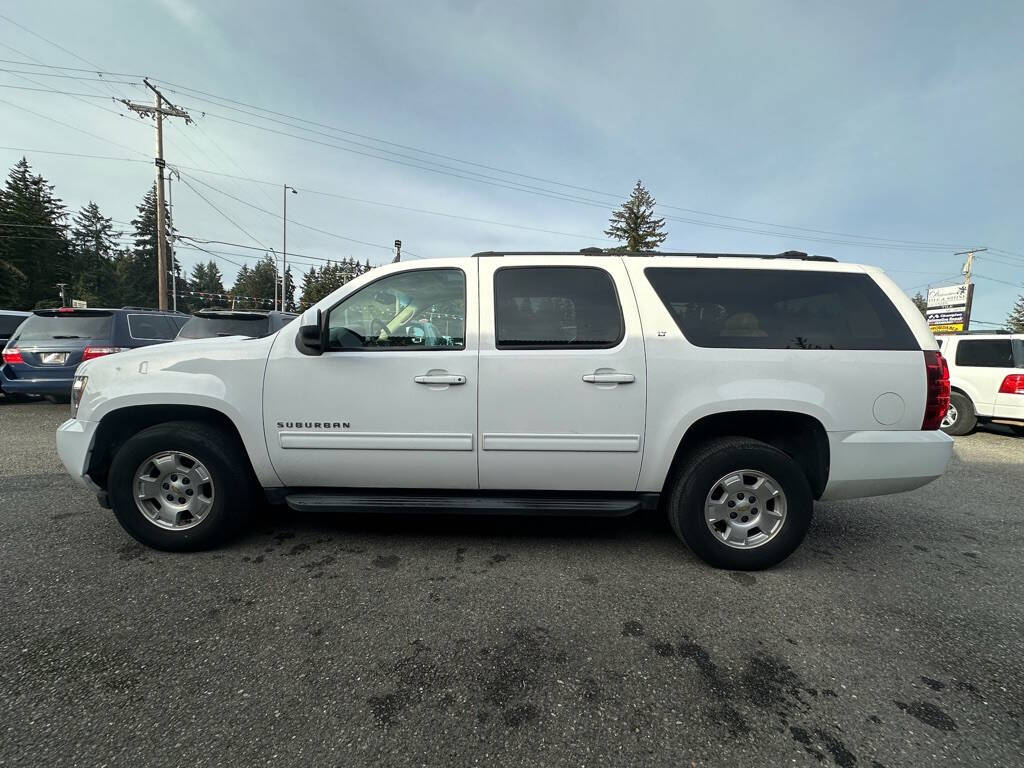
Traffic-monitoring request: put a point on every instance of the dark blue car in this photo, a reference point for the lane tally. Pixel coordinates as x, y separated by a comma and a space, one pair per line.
42, 356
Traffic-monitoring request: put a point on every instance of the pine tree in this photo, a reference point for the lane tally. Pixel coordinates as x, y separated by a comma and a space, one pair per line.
93, 248
254, 288
139, 272
1015, 321
634, 223
34, 252
920, 302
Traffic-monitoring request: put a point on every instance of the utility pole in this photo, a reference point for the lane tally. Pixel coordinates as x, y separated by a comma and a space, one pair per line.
157, 111
398, 252
63, 300
284, 247
170, 240
969, 263
968, 289
275, 277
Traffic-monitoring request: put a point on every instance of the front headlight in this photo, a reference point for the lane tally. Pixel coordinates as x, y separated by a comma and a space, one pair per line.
77, 390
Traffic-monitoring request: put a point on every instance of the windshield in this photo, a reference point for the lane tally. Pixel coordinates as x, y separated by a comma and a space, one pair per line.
65, 325
200, 327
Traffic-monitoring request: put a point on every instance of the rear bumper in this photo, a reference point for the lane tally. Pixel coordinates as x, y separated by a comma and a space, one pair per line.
873, 463
42, 386
74, 446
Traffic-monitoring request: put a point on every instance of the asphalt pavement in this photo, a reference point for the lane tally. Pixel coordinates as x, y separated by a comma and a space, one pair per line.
892, 638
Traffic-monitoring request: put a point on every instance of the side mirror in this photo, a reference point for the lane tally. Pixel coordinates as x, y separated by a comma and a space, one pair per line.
310, 338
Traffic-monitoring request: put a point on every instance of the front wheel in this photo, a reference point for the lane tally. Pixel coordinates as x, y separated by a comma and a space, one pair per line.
741, 504
180, 486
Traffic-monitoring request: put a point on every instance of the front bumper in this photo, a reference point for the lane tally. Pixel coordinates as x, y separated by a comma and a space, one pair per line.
874, 463
74, 446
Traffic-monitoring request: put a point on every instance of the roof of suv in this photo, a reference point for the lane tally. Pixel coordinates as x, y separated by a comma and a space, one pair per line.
798, 255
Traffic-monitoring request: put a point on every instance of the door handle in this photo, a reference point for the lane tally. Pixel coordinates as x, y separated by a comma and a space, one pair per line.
440, 378
609, 378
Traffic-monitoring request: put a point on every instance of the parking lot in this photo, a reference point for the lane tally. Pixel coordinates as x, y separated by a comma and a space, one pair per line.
893, 636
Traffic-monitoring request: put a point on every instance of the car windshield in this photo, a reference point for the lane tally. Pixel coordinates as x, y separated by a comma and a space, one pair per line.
228, 324
65, 325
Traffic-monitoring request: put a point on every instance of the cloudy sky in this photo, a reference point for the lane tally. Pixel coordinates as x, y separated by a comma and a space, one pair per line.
874, 132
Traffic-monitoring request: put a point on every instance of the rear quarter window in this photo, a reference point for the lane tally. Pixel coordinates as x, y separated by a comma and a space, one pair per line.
151, 328
780, 309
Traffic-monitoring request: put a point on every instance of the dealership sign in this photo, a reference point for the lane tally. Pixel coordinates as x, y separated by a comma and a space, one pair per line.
949, 308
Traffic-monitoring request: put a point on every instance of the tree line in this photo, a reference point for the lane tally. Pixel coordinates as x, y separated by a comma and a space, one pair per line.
42, 245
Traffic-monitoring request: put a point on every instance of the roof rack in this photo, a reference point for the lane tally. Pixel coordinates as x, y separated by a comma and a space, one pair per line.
800, 255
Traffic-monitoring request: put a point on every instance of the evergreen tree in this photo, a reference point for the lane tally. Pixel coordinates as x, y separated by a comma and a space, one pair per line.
254, 288
34, 252
1015, 322
634, 223
207, 278
920, 302
93, 248
138, 272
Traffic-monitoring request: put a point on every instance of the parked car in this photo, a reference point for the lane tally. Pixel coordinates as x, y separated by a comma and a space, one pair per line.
729, 391
42, 356
986, 375
254, 323
10, 319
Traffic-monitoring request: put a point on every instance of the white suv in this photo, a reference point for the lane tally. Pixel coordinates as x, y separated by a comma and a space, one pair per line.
986, 373
730, 391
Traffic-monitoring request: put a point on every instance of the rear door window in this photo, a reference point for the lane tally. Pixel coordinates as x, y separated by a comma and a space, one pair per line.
780, 309
50, 326
556, 307
150, 328
985, 353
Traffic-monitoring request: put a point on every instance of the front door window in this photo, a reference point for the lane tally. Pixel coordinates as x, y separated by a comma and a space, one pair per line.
420, 309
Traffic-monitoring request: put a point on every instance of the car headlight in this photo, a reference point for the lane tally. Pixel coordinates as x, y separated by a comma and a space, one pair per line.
77, 390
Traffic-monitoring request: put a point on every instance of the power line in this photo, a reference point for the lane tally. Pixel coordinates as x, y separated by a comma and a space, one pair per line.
220, 102
296, 223
98, 70
218, 210
65, 77
879, 242
72, 127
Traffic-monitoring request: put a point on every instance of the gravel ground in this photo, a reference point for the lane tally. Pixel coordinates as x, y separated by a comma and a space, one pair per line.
893, 637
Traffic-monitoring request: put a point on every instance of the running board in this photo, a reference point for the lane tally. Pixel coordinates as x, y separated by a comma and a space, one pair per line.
474, 505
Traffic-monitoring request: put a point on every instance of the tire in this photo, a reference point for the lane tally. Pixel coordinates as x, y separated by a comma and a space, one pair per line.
700, 478
1017, 429
225, 497
961, 416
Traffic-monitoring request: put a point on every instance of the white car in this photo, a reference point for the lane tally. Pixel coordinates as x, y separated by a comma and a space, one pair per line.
986, 374
730, 391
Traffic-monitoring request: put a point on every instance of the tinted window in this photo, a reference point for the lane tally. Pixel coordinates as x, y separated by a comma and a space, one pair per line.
574, 307
241, 324
9, 324
419, 309
66, 325
985, 353
150, 327
780, 309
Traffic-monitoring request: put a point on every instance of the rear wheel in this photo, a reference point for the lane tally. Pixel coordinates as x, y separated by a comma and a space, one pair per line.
960, 419
741, 504
180, 486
